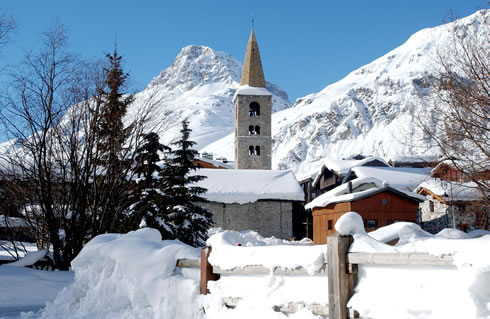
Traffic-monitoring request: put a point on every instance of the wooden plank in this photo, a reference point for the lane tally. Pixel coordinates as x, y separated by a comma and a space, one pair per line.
206, 270
338, 279
189, 263
399, 259
261, 270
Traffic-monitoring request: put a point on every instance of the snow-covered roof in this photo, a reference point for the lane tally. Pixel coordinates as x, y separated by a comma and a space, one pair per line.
361, 188
250, 90
245, 186
406, 178
342, 167
215, 162
455, 191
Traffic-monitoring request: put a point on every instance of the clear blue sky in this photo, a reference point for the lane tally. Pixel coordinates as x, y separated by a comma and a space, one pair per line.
305, 45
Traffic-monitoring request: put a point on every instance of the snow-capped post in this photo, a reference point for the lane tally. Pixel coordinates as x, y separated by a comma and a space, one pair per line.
206, 270
340, 281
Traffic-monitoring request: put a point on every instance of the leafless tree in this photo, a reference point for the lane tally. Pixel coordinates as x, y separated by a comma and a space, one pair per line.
460, 121
52, 113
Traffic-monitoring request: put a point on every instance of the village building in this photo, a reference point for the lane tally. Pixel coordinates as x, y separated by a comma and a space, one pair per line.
452, 204
377, 202
333, 172
252, 196
204, 162
415, 161
253, 111
405, 178
267, 201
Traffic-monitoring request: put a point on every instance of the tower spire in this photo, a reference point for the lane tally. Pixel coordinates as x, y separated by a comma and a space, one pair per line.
252, 74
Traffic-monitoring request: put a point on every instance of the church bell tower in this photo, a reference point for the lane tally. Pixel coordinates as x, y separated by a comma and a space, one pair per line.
253, 109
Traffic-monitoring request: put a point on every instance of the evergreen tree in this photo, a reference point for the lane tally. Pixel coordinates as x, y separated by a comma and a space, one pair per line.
188, 221
148, 206
111, 177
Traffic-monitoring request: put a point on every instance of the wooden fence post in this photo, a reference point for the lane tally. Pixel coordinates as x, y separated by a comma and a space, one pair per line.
206, 270
340, 283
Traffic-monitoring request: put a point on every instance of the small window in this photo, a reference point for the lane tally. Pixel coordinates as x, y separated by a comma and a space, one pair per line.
431, 206
251, 130
384, 202
372, 223
254, 109
257, 130
329, 225
257, 150
251, 150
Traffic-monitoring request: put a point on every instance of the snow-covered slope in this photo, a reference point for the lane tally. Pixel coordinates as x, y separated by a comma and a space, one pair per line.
199, 86
372, 110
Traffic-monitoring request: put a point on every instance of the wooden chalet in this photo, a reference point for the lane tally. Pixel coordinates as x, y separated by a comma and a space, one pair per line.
379, 205
333, 172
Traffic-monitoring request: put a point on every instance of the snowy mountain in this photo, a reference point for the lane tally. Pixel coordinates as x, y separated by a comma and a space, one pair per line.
199, 86
373, 110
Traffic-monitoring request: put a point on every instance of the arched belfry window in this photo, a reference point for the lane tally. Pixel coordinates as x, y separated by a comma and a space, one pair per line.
254, 130
251, 150
257, 150
254, 109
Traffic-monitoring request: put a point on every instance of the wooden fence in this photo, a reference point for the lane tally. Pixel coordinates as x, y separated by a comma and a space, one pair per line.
340, 266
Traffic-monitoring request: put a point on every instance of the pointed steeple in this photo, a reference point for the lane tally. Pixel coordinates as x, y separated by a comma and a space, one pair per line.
252, 74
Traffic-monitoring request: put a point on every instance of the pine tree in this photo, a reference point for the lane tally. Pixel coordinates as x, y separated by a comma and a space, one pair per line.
148, 202
111, 178
189, 221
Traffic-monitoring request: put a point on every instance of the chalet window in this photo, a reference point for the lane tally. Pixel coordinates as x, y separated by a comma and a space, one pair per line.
257, 150
254, 109
372, 223
431, 206
329, 225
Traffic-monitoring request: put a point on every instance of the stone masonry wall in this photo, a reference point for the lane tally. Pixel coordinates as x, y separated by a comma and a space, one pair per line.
268, 218
442, 216
243, 160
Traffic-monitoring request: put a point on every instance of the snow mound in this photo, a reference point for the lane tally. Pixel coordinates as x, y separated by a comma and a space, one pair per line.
349, 224
130, 276
232, 249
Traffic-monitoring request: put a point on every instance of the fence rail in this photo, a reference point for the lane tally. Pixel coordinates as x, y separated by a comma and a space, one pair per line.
340, 267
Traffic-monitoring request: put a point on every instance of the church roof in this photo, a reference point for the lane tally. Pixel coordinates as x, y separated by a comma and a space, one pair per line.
249, 185
252, 74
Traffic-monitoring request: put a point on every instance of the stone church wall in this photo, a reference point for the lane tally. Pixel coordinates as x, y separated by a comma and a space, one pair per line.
268, 218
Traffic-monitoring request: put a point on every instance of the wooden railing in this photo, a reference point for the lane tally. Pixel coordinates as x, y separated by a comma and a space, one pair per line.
340, 267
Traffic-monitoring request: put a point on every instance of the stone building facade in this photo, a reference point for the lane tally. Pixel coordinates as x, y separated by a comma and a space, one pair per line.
267, 217
253, 110
435, 215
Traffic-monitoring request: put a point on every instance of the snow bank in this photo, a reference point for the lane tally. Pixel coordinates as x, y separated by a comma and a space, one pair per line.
233, 249
459, 291
246, 185
258, 294
130, 276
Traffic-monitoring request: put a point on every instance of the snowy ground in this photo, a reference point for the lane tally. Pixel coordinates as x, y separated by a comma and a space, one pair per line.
134, 276
26, 289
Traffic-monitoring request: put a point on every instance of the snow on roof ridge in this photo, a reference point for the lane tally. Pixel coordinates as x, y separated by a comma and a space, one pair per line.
250, 90
340, 193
